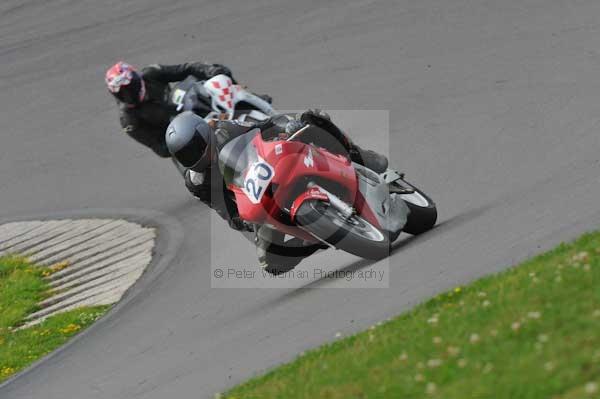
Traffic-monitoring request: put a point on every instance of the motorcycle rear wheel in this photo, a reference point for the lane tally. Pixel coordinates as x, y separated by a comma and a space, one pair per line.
354, 235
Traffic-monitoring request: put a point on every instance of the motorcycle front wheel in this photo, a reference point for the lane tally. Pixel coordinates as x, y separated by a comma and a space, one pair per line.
423, 211
352, 234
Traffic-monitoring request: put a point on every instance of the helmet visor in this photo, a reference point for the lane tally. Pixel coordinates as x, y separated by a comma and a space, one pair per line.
127, 95
193, 152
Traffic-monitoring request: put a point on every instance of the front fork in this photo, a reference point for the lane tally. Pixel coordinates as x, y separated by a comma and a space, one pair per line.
316, 192
335, 201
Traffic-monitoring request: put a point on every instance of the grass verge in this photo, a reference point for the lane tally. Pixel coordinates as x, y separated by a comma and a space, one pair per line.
22, 287
532, 331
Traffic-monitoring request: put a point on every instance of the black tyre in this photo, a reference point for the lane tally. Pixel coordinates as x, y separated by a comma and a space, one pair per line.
354, 235
423, 212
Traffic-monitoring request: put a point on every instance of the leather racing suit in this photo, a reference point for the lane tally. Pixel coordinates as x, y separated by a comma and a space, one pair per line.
146, 122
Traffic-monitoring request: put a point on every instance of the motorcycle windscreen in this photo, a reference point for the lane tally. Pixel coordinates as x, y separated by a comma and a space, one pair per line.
236, 156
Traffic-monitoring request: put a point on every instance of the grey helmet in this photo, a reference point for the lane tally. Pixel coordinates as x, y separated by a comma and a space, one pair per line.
188, 139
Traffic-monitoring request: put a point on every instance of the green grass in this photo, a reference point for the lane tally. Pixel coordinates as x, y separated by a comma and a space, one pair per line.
22, 287
532, 331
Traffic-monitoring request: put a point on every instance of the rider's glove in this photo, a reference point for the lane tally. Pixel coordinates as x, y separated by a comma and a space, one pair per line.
315, 117
315, 113
293, 126
195, 183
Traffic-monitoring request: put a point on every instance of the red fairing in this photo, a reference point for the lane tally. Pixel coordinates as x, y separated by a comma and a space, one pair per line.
294, 163
268, 213
310, 194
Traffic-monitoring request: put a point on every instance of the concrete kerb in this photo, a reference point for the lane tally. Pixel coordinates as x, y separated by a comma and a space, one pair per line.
168, 239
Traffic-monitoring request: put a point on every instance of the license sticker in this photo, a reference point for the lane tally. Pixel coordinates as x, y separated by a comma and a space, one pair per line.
257, 179
308, 160
177, 97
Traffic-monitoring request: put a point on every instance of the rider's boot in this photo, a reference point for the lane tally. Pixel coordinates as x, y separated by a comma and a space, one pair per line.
376, 162
270, 250
277, 256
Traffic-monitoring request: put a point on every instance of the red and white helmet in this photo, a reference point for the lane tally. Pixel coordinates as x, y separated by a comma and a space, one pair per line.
125, 83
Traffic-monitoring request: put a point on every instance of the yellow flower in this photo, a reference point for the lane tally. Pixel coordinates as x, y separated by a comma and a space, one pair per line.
431, 388
59, 266
591, 388
453, 351
534, 315
581, 256
457, 290
71, 328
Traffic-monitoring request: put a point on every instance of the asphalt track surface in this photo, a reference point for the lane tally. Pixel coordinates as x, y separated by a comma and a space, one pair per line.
495, 111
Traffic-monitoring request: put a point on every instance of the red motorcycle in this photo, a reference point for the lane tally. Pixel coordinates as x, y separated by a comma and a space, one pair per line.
314, 192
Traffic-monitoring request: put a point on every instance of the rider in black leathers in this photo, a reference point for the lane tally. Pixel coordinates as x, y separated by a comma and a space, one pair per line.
143, 97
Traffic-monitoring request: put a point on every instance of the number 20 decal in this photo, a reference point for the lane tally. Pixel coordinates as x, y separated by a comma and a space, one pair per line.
258, 178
